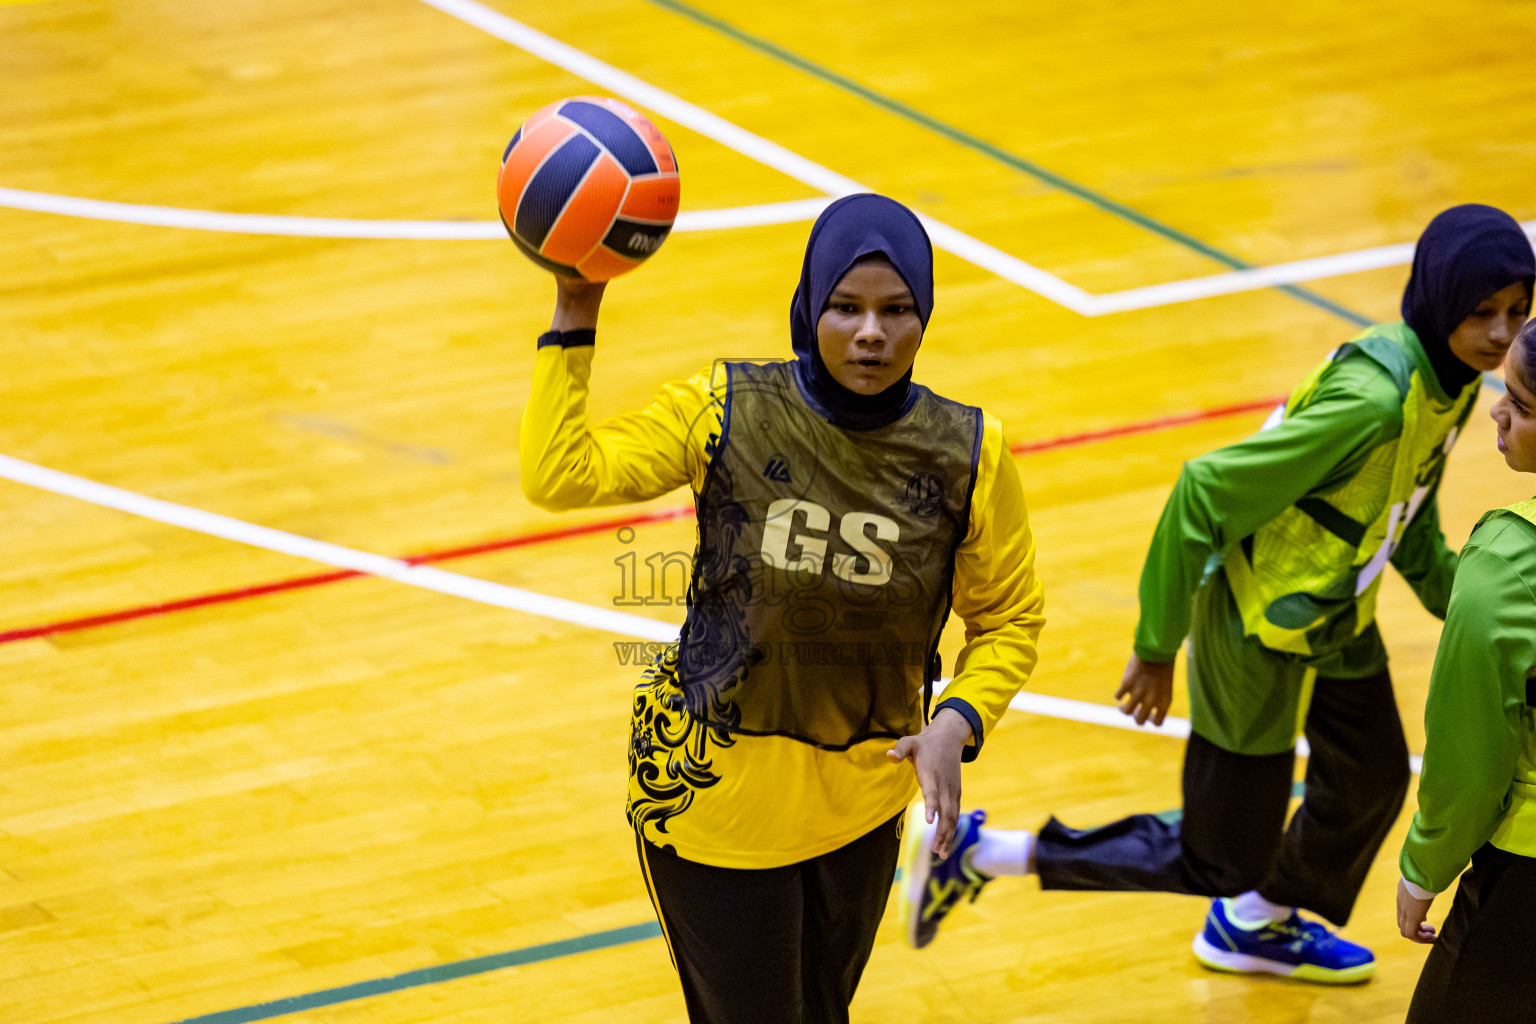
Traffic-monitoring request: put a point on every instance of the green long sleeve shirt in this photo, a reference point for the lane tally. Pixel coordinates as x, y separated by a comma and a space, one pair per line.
1228, 494
1475, 718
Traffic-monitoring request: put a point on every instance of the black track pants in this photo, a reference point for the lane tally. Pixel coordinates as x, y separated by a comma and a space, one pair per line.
1233, 836
1482, 967
773, 946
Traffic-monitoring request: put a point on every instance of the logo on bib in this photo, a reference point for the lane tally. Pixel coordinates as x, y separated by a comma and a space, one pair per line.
925, 495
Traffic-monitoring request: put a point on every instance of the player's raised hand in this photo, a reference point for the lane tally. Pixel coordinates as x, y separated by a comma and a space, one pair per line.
1146, 690
576, 303
935, 756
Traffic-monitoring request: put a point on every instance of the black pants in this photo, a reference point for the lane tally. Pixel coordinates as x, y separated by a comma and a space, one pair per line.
1233, 836
1482, 967
779, 945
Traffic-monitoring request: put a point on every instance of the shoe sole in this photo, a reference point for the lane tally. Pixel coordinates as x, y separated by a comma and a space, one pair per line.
1242, 963
914, 876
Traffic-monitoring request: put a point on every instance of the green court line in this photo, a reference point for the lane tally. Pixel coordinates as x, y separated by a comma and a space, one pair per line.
1018, 163
469, 968
433, 975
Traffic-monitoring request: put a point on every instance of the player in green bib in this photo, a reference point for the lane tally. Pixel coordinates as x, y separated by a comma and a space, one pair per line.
1268, 558
1477, 793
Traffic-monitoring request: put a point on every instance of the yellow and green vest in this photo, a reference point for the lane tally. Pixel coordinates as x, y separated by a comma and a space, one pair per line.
1517, 831
1313, 572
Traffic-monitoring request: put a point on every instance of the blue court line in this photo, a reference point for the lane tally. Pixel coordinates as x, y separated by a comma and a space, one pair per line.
964, 138
469, 968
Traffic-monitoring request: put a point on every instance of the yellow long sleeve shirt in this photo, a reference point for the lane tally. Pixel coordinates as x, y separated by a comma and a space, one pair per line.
753, 801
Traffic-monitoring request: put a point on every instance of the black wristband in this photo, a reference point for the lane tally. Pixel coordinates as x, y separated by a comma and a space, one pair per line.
968, 752
569, 339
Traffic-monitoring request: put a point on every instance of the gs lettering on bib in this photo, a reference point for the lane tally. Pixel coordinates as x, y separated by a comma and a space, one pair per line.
870, 564
825, 563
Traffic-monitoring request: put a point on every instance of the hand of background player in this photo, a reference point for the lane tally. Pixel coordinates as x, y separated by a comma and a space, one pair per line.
576, 303
1146, 690
935, 756
1411, 912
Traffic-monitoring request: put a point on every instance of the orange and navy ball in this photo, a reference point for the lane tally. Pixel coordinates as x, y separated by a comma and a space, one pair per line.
588, 188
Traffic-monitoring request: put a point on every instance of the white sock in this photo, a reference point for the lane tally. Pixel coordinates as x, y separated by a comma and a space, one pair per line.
1003, 852
1250, 910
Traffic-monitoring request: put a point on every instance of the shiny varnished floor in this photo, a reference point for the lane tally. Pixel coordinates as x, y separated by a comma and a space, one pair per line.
270, 796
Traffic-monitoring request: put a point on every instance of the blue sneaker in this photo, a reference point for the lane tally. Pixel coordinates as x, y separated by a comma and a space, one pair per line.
1304, 950
932, 886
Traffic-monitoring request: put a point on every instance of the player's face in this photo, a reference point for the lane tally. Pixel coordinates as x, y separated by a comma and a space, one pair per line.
1483, 337
869, 333
1515, 415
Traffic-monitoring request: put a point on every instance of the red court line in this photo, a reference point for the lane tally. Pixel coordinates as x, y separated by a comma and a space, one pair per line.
1145, 427
319, 579
566, 533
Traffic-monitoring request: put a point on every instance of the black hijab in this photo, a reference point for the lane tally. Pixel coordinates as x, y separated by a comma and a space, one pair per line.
848, 230
1466, 254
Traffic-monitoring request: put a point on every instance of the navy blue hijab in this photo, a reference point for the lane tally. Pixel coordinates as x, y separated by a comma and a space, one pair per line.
850, 229
1466, 254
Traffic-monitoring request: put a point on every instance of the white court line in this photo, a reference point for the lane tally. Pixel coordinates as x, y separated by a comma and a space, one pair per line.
1111, 716
333, 227
471, 589
794, 210
789, 212
422, 576
750, 216
1262, 277
771, 154
1009, 267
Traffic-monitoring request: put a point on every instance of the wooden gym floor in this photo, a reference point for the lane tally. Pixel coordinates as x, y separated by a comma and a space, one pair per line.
398, 797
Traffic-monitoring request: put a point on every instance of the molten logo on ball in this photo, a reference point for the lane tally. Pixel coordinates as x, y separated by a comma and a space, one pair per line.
588, 188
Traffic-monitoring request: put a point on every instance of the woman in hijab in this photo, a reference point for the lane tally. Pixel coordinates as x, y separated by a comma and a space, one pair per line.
1477, 792
1268, 558
842, 510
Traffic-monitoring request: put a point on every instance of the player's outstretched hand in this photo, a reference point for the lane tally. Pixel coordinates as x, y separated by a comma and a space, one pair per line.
576, 303
1411, 912
935, 756
1146, 690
